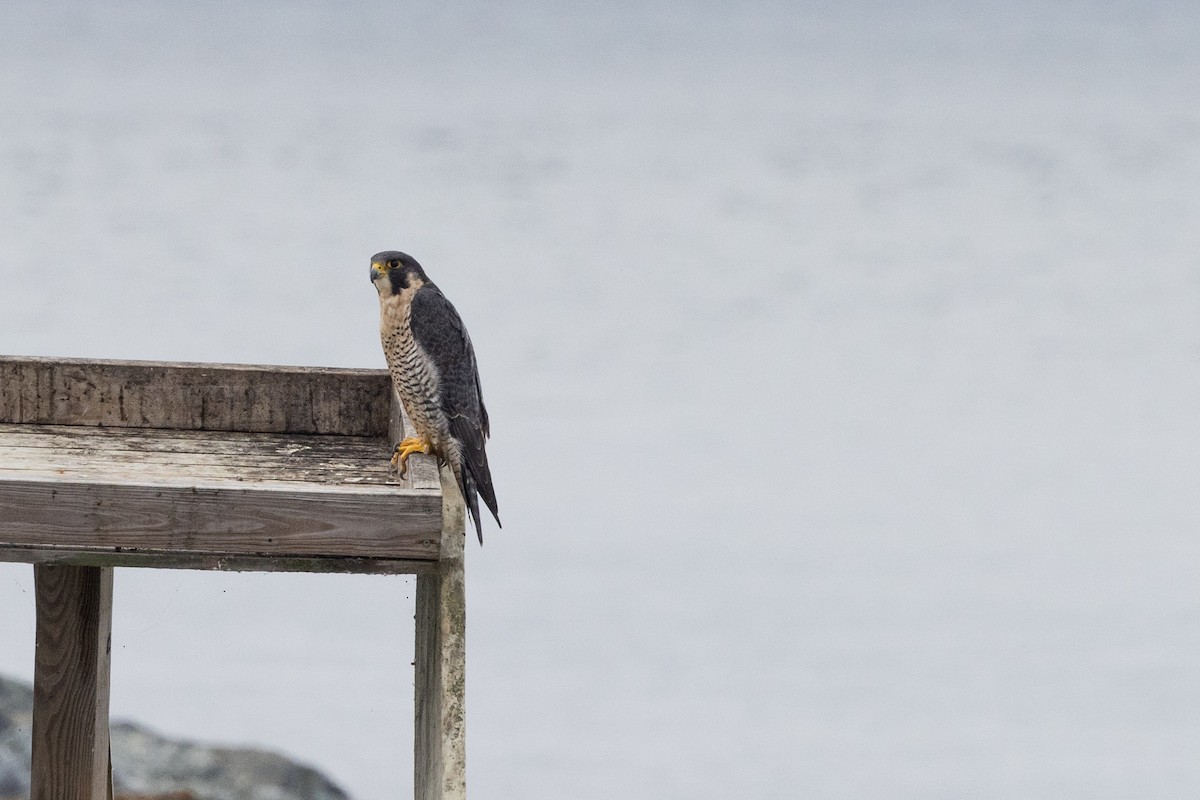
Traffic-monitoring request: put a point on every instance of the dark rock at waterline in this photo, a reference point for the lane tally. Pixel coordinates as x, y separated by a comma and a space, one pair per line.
146, 764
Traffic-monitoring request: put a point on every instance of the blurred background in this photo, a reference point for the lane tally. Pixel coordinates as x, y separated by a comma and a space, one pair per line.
843, 361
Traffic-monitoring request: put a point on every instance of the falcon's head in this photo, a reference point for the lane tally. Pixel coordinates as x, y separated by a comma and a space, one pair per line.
392, 272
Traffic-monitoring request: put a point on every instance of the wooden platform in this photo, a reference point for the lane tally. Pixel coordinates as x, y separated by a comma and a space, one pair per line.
208, 467
109, 464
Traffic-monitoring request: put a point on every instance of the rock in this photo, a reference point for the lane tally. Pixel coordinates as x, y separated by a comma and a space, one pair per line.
16, 722
147, 766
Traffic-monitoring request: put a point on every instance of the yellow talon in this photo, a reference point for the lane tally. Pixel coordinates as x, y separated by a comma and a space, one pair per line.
406, 448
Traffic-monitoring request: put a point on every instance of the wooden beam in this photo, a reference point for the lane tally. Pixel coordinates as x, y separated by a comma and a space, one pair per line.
216, 397
71, 674
218, 563
440, 741
363, 521
213, 494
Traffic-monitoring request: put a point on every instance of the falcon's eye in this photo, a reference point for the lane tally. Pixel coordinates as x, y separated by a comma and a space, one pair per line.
393, 264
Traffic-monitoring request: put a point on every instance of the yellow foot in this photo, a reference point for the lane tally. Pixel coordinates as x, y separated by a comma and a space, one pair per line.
406, 448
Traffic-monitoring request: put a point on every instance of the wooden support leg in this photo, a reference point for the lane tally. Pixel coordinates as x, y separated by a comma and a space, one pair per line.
441, 734
70, 685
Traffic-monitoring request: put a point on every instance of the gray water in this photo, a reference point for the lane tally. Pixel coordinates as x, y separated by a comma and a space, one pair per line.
842, 360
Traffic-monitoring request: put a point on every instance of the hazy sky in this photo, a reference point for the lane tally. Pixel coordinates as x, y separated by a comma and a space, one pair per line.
842, 362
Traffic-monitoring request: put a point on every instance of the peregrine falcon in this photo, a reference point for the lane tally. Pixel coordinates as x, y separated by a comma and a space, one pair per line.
432, 363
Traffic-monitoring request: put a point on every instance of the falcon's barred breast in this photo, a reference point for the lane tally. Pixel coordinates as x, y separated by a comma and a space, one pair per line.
432, 363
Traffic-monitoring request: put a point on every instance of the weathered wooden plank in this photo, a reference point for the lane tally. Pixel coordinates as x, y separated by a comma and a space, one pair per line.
214, 476
440, 685
221, 563
157, 467
83, 451
171, 440
359, 521
230, 397
154, 456
71, 679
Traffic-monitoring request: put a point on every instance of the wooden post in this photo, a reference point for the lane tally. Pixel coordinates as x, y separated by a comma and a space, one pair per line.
70, 687
441, 734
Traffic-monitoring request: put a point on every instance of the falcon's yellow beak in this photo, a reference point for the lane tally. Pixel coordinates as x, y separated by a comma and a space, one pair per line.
376, 271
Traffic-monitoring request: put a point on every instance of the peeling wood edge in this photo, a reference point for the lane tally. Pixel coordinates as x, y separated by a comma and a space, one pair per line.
66, 482
175, 559
357, 372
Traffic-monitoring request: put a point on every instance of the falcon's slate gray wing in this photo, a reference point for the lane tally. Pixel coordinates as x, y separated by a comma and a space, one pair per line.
439, 331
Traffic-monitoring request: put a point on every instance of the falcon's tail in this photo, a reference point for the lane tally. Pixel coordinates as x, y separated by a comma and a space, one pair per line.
471, 487
471, 469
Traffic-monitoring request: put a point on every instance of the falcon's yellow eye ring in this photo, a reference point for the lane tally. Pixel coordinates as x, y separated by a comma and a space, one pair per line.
393, 264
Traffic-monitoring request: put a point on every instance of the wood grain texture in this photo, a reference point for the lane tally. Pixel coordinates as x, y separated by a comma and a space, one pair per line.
440, 685
143, 454
364, 521
212, 500
229, 397
71, 678
218, 563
